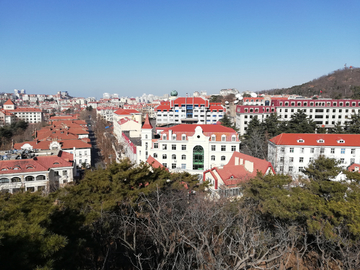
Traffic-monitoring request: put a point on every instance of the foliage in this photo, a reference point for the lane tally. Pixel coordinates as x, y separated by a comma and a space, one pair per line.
226, 122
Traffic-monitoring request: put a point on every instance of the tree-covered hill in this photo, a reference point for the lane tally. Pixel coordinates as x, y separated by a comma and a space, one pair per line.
342, 83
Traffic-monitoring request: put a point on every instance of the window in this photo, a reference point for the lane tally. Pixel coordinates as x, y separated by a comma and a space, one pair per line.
164, 137
291, 159
291, 150
233, 138
281, 159
213, 158
183, 157
173, 146
223, 138
213, 138
301, 159
173, 156
312, 150
223, 148
301, 169
332, 151
311, 159
164, 156
183, 147
233, 148
183, 166
302, 150
222, 157
291, 168
282, 149
174, 137
342, 160
352, 160
353, 151
173, 166
213, 148
155, 155
342, 150
164, 147
156, 145
165, 165
183, 137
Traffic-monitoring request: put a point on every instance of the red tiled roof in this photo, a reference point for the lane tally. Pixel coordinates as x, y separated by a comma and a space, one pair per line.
147, 124
9, 102
312, 139
208, 130
126, 111
44, 145
154, 163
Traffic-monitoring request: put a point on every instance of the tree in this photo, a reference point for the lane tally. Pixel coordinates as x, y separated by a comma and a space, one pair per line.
353, 126
225, 121
299, 123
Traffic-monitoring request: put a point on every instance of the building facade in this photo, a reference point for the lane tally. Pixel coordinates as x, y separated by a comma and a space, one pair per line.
189, 110
324, 112
191, 148
290, 153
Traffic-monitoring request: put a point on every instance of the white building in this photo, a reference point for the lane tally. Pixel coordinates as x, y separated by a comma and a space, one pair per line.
290, 153
189, 110
42, 173
30, 115
324, 112
192, 148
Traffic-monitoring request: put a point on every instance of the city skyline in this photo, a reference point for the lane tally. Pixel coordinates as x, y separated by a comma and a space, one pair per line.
130, 48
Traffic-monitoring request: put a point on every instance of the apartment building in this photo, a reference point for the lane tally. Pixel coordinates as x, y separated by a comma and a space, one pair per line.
324, 112
290, 153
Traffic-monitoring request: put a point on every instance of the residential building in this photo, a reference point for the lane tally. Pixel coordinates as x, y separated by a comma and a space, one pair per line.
290, 153
41, 173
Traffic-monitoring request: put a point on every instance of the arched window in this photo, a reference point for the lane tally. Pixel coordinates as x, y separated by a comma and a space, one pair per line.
29, 178
198, 158
146, 136
183, 157
174, 137
233, 138
183, 137
40, 177
213, 138
15, 180
164, 136
4, 180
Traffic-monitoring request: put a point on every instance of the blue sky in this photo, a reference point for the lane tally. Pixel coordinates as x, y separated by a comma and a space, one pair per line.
148, 46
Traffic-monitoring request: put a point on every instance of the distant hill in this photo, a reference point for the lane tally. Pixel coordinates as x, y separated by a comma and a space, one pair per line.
342, 83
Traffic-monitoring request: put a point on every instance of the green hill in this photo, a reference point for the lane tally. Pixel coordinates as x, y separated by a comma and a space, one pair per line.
342, 83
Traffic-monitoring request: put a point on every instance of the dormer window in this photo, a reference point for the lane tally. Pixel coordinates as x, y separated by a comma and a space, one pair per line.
29, 167
183, 137
300, 141
233, 138
56, 163
231, 177
213, 138
320, 141
341, 141
164, 137
174, 137
223, 138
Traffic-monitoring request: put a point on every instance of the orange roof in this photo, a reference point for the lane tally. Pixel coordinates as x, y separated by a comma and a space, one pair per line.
208, 130
311, 139
45, 145
147, 124
9, 102
154, 163
126, 111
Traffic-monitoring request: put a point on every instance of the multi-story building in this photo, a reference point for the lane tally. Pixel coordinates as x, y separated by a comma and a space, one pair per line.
193, 148
290, 153
189, 110
324, 112
30, 115
41, 173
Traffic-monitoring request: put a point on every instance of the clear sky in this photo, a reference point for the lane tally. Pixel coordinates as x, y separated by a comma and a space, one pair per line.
148, 46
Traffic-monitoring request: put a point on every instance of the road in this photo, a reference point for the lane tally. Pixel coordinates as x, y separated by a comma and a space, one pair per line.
96, 159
